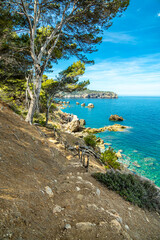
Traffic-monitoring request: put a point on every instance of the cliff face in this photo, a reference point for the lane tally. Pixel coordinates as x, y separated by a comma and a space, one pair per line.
91, 94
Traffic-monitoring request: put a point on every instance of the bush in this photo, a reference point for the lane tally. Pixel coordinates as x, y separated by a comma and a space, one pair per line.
132, 188
53, 106
90, 140
109, 158
39, 118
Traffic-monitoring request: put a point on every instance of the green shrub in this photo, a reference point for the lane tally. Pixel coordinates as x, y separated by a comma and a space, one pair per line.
109, 158
90, 140
39, 118
132, 188
15, 108
53, 106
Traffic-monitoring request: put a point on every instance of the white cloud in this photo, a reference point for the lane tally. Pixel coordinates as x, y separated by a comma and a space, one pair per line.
118, 37
133, 76
158, 14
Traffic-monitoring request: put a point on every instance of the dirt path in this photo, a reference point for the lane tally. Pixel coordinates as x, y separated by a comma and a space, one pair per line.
46, 194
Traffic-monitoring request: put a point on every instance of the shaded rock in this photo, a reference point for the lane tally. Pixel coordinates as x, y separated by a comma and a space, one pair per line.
126, 227
90, 105
118, 154
82, 122
114, 128
74, 126
67, 226
57, 209
116, 225
103, 224
80, 134
79, 178
77, 103
80, 196
126, 235
99, 140
78, 189
83, 104
49, 191
85, 226
115, 118
93, 206
98, 192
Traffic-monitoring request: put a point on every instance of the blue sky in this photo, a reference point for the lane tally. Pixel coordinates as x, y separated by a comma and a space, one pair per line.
128, 60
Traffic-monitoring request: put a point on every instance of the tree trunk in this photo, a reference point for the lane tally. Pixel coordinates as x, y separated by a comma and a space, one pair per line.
32, 108
34, 99
47, 114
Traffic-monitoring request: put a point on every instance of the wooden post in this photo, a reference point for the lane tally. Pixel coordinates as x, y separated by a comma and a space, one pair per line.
87, 163
81, 155
84, 160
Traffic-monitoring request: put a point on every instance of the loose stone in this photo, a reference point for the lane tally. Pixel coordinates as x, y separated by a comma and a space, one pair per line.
57, 209
49, 191
67, 226
85, 226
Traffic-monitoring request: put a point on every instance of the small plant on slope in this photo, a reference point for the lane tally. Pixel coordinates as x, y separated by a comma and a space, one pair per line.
109, 158
90, 140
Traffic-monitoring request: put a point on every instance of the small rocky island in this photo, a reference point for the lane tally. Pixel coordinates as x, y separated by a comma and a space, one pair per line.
90, 94
115, 118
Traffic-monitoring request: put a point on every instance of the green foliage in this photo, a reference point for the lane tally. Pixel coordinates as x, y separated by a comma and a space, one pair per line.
109, 158
14, 88
67, 81
132, 188
15, 60
90, 140
39, 118
53, 106
15, 108
76, 69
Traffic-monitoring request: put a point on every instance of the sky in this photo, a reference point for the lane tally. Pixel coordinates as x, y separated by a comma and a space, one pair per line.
128, 60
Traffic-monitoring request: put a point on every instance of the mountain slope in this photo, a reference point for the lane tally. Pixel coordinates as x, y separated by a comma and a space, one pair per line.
45, 193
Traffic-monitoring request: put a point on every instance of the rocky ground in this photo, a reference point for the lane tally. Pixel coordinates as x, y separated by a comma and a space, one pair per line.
45, 193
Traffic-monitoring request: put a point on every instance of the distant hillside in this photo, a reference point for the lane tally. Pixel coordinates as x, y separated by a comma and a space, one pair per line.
91, 94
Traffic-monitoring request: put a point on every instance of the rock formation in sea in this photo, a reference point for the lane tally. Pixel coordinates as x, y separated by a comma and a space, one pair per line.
90, 105
115, 118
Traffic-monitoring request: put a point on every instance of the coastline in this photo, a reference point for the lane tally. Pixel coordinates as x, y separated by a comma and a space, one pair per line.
122, 159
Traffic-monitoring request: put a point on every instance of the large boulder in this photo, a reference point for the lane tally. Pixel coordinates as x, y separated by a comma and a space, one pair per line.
90, 105
115, 118
83, 104
74, 126
82, 122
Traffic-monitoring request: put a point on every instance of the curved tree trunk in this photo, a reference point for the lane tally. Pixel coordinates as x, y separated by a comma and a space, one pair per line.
47, 114
31, 111
34, 100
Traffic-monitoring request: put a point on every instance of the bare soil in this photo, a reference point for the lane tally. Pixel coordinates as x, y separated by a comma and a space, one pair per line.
46, 194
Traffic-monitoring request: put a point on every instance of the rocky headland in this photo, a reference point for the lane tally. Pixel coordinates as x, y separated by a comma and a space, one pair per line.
90, 94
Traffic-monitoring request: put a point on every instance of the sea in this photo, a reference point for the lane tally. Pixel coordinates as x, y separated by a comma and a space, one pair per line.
140, 143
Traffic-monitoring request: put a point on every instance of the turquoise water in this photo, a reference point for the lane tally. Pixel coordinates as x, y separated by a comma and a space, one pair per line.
140, 143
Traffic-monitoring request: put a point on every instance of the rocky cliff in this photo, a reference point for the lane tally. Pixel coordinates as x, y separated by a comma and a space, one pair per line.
91, 94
